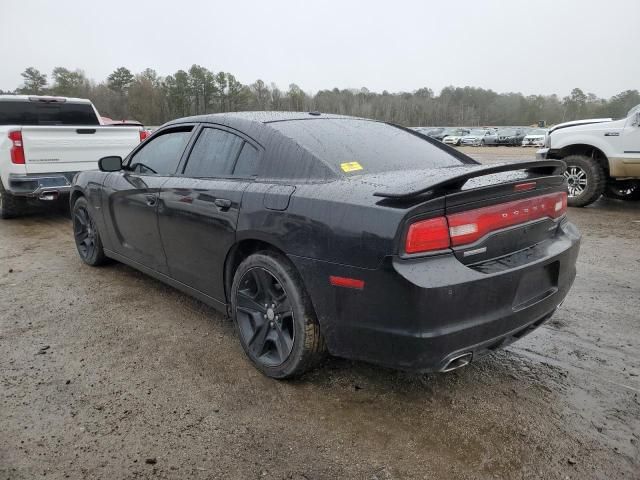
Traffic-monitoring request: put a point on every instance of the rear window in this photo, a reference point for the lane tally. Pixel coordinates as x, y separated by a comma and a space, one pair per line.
41, 113
362, 146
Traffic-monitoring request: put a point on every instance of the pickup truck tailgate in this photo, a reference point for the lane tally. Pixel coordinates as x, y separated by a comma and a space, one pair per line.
71, 149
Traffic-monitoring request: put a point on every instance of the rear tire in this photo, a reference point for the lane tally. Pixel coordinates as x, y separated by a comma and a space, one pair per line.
10, 205
86, 234
282, 339
628, 190
586, 180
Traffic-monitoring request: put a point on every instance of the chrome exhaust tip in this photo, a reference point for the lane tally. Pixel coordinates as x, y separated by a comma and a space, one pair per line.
49, 196
458, 362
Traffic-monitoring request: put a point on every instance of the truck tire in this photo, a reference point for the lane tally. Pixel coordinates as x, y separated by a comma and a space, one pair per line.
10, 205
586, 180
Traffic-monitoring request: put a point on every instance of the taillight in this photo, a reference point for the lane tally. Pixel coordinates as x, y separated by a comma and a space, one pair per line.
17, 149
427, 235
467, 227
144, 134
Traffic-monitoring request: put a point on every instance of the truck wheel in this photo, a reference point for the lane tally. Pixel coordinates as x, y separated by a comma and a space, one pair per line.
623, 190
10, 205
585, 178
274, 317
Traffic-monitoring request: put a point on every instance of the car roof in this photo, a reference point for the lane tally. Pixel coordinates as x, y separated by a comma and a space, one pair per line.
261, 117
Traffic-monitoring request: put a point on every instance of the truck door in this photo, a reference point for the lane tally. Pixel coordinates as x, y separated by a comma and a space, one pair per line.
631, 144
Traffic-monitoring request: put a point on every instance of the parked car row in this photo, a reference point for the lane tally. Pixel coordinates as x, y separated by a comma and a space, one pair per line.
478, 137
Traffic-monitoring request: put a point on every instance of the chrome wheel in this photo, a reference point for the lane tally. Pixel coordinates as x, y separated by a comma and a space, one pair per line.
576, 180
84, 232
264, 315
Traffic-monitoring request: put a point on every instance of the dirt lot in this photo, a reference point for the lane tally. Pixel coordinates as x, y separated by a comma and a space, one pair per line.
109, 374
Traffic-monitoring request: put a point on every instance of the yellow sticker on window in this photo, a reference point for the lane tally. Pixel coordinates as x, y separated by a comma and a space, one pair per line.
350, 166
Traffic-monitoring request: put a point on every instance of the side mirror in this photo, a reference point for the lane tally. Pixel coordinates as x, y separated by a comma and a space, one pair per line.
110, 164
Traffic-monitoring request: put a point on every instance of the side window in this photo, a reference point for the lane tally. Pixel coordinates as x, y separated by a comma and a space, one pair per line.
161, 155
247, 164
214, 154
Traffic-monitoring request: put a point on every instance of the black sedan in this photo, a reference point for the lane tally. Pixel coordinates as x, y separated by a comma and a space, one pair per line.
321, 233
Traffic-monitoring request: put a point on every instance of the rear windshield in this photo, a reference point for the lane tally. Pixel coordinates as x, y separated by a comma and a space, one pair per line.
362, 146
40, 113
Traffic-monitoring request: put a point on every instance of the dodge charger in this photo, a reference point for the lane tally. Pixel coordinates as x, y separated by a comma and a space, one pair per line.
321, 233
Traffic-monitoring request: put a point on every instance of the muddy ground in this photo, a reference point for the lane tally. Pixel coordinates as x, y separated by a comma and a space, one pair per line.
106, 373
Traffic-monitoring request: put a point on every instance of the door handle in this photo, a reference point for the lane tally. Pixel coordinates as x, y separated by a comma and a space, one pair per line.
222, 203
151, 200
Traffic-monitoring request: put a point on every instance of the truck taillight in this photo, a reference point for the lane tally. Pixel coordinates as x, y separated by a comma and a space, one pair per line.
144, 134
17, 149
470, 226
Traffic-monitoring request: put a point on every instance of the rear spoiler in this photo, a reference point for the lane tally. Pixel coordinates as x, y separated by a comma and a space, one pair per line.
447, 178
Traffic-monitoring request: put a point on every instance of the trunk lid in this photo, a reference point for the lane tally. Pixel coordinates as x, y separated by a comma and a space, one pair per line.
492, 210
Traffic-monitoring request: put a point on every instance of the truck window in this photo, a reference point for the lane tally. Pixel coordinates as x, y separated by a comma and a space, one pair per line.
41, 113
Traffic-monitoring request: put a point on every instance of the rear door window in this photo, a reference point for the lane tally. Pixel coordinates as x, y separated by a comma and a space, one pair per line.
214, 154
363, 146
247, 164
47, 113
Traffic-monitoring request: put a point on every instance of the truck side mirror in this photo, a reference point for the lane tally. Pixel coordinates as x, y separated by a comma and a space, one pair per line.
110, 164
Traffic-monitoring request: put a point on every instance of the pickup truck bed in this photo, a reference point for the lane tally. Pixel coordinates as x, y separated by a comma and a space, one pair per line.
53, 155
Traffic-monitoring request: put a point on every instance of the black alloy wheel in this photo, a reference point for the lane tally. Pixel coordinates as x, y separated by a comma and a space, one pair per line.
274, 316
265, 317
86, 234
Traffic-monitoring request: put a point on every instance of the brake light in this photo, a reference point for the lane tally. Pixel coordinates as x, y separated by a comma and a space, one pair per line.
17, 148
144, 134
467, 227
427, 235
523, 187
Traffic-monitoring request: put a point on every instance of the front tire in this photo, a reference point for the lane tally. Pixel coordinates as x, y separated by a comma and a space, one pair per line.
10, 205
586, 180
273, 316
628, 190
86, 234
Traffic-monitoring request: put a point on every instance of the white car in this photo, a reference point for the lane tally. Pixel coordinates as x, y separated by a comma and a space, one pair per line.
602, 157
534, 138
45, 141
455, 136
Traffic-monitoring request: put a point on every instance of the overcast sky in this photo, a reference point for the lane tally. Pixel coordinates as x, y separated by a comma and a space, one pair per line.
534, 46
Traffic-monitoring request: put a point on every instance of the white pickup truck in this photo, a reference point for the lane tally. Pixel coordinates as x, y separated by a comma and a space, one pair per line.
602, 157
45, 141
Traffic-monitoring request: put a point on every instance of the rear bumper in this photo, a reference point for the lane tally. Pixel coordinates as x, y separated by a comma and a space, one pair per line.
419, 314
40, 185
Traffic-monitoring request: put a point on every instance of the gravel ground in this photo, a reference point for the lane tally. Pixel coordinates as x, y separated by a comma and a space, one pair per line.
107, 373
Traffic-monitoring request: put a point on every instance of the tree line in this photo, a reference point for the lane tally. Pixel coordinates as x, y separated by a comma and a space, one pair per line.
153, 99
